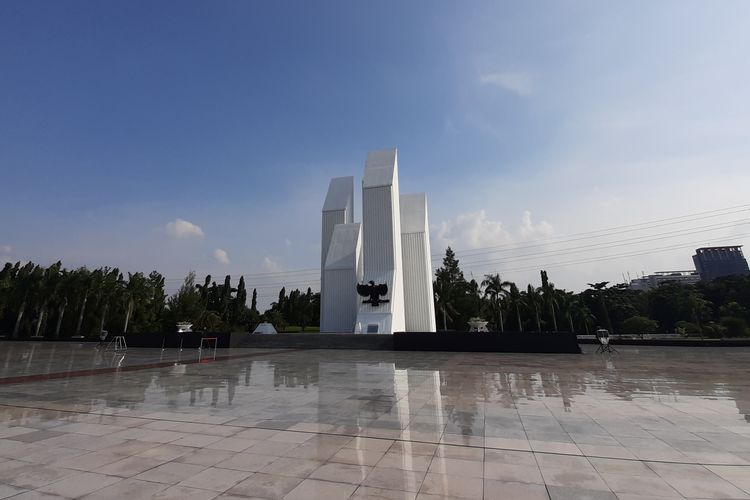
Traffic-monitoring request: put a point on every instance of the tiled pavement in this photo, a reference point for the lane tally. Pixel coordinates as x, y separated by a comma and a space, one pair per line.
644, 423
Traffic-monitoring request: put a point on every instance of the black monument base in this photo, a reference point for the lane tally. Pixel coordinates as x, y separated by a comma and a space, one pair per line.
189, 340
438, 341
372, 342
532, 342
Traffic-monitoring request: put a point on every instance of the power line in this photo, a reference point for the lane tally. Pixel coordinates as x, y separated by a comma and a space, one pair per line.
613, 257
617, 243
566, 239
519, 246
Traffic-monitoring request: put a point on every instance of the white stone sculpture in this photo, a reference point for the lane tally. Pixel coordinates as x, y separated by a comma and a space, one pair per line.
341, 273
338, 208
477, 325
419, 302
381, 243
377, 277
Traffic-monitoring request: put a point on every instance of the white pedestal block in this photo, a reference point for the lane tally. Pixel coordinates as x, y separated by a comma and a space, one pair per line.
338, 208
341, 273
381, 243
391, 248
419, 305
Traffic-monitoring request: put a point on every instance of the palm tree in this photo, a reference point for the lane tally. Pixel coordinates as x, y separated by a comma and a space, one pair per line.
444, 301
85, 281
582, 314
46, 291
548, 296
533, 300
111, 285
495, 289
599, 290
203, 290
6, 284
27, 280
134, 291
60, 297
225, 299
208, 321
565, 302
515, 301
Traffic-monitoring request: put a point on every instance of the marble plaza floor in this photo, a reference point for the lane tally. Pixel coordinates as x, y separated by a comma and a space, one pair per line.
652, 422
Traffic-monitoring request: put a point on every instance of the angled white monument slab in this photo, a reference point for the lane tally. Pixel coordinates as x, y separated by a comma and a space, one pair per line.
375, 277
381, 244
338, 208
341, 273
419, 305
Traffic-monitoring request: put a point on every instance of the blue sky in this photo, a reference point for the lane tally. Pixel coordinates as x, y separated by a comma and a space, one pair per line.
521, 121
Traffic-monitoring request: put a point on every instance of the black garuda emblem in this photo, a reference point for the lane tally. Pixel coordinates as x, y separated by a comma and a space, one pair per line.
374, 292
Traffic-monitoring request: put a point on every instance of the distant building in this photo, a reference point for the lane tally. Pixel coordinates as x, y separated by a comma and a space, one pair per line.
714, 262
659, 278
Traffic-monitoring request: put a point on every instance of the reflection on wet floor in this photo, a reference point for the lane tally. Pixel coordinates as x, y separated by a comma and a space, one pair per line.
658, 422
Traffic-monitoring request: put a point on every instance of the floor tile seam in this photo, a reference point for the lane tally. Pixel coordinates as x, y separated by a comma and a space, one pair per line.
140, 472
215, 466
533, 454
484, 428
679, 495
600, 425
563, 428
401, 440
429, 465
718, 476
77, 472
41, 377
406, 440
83, 472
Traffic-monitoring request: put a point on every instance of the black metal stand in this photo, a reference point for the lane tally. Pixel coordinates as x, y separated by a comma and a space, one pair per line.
605, 348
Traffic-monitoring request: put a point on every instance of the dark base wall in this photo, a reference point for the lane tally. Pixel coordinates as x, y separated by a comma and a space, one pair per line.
168, 340
560, 342
408, 341
675, 342
554, 342
189, 340
319, 341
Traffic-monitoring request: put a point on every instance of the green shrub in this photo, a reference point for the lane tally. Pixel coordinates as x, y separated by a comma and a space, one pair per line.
735, 327
714, 330
639, 325
687, 328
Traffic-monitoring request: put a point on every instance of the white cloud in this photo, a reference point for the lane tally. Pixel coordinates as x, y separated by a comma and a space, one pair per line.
180, 228
519, 83
475, 230
529, 230
288, 242
221, 256
5, 253
271, 265
471, 230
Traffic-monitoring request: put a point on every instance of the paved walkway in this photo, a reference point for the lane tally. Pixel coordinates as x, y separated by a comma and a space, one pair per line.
77, 422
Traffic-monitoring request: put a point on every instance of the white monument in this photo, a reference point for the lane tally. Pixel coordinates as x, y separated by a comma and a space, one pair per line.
337, 209
342, 271
415, 248
376, 278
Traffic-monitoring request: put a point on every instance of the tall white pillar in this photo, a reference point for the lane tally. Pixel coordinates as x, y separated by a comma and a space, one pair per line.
341, 273
419, 302
381, 243
338, 208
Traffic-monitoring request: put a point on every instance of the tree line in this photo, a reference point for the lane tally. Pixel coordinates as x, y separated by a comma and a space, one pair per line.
54, 302
715, 309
